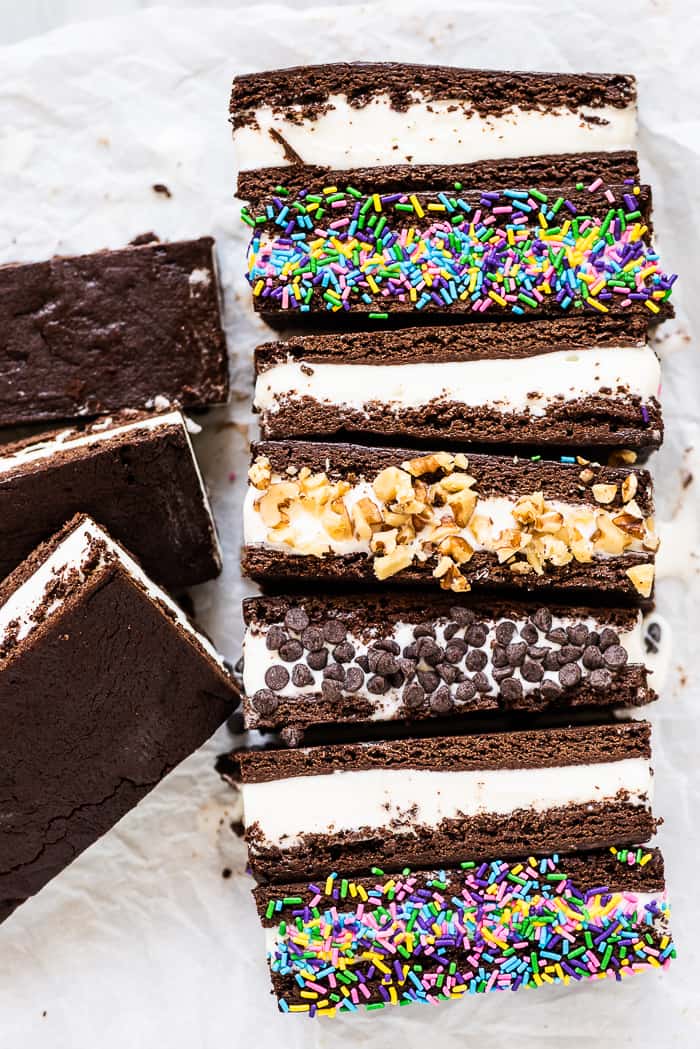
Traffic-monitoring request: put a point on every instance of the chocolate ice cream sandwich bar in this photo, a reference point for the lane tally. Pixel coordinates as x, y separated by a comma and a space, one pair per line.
439, 800
135, 473
139, 327
316, 661
351, 115
330, 252
336, 945
558, 383
355, 514
105, 686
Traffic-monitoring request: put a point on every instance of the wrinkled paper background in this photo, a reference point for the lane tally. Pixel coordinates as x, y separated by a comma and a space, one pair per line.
142, 942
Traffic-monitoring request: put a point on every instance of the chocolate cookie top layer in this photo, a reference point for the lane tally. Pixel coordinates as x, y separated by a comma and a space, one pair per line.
133, 328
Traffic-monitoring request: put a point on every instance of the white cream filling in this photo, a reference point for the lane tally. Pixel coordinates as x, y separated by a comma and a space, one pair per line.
310, 534
66, 563
507, 384
258, 658
69, 440
435, 132
398, 800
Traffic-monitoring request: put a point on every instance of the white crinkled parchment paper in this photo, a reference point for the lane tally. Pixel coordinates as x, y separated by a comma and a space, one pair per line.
142, 942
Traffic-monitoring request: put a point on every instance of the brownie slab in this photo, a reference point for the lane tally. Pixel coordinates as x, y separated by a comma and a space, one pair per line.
326, 253
439, 800
105, 686
560, 383
132, 328
434, 935
316, 660
355, 114
357, 514
135, 473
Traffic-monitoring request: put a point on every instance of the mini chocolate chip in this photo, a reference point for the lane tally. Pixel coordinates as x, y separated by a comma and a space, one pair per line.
476, 634
476, 659
600, 679
362, 661
456, 650
570, 654
410, 652
386, 644
543, 620
593, 637
265, 701
608, 637
291, 650
386, 664
550, 690
296, 619
377, 684
532, 671
413, 696
276, 636
301, 675
396, 680
538, 651
465, 692
354, 679
312, 638
501, 673
331, 690
423, 630
447, 672
450, 630
334, 673
558, 636
505, 632
578, 633
236, 724
430, 652
592, 657
317, 660
334, 632
463, 616
499, 657
551, 660
276, 677
344, 652
529, 633
441, 701
512, 690
615, 657
428, 679
516, 653
570, 675
407, 667
481, 682
373, 657
654, 631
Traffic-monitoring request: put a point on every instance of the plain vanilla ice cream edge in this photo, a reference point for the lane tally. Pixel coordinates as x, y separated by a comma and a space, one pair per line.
508, 384
20, 610
397, 800
434, 132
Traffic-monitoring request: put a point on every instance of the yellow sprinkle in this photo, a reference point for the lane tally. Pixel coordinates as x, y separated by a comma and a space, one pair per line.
363, 893
613, 850
653, 961
665, 942
636, 191
538, 979
417, 206
393, 996
645, 859
497, 298
436, 207
594, 289
413, 294
329, 886
598, 306
377, 202
380, 965
330, 189
510, 237
326, 1012
309, 994
353, 889
493, 939
258, 287
651, 306
299, 1008
372, 283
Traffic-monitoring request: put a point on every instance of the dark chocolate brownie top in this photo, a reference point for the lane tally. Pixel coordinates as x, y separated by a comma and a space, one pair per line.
495, 475
458, 342
546, 748
486, 92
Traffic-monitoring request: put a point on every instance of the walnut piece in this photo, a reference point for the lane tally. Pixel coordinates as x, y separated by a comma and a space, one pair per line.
642, 577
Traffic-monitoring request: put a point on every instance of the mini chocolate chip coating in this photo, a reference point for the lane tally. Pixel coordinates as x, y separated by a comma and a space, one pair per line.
455, 650
291, 650
601, 679
386, 664
377, 685
529, 633
334, 632
334, 673
578, 634
463, 616
265, 701
512, 690
592, 657
481, 682
344, 652
354, 679
441, 701
302, 676
543, 620
413, 696
570, 675
312, 639
331, 690
423, 630
531, 671
476, 659
476, 634
615, 657
428, 679
516, 653
276, 677
275, 637
505, 632
608, 637
465, 692
296, 619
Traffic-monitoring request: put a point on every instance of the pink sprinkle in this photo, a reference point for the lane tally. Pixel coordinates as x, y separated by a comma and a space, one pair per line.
610, 196
595, 185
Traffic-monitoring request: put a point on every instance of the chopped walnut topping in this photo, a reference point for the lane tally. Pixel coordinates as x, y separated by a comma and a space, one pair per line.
394, 562
629, 487
622, 457
260, 473
604, 493
586, 476
642, 577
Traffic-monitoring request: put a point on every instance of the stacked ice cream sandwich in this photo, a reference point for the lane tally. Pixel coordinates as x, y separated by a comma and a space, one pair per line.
454, 540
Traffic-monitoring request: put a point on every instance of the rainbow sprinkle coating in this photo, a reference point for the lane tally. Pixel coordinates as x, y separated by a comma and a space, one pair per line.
433, 936
339, 249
